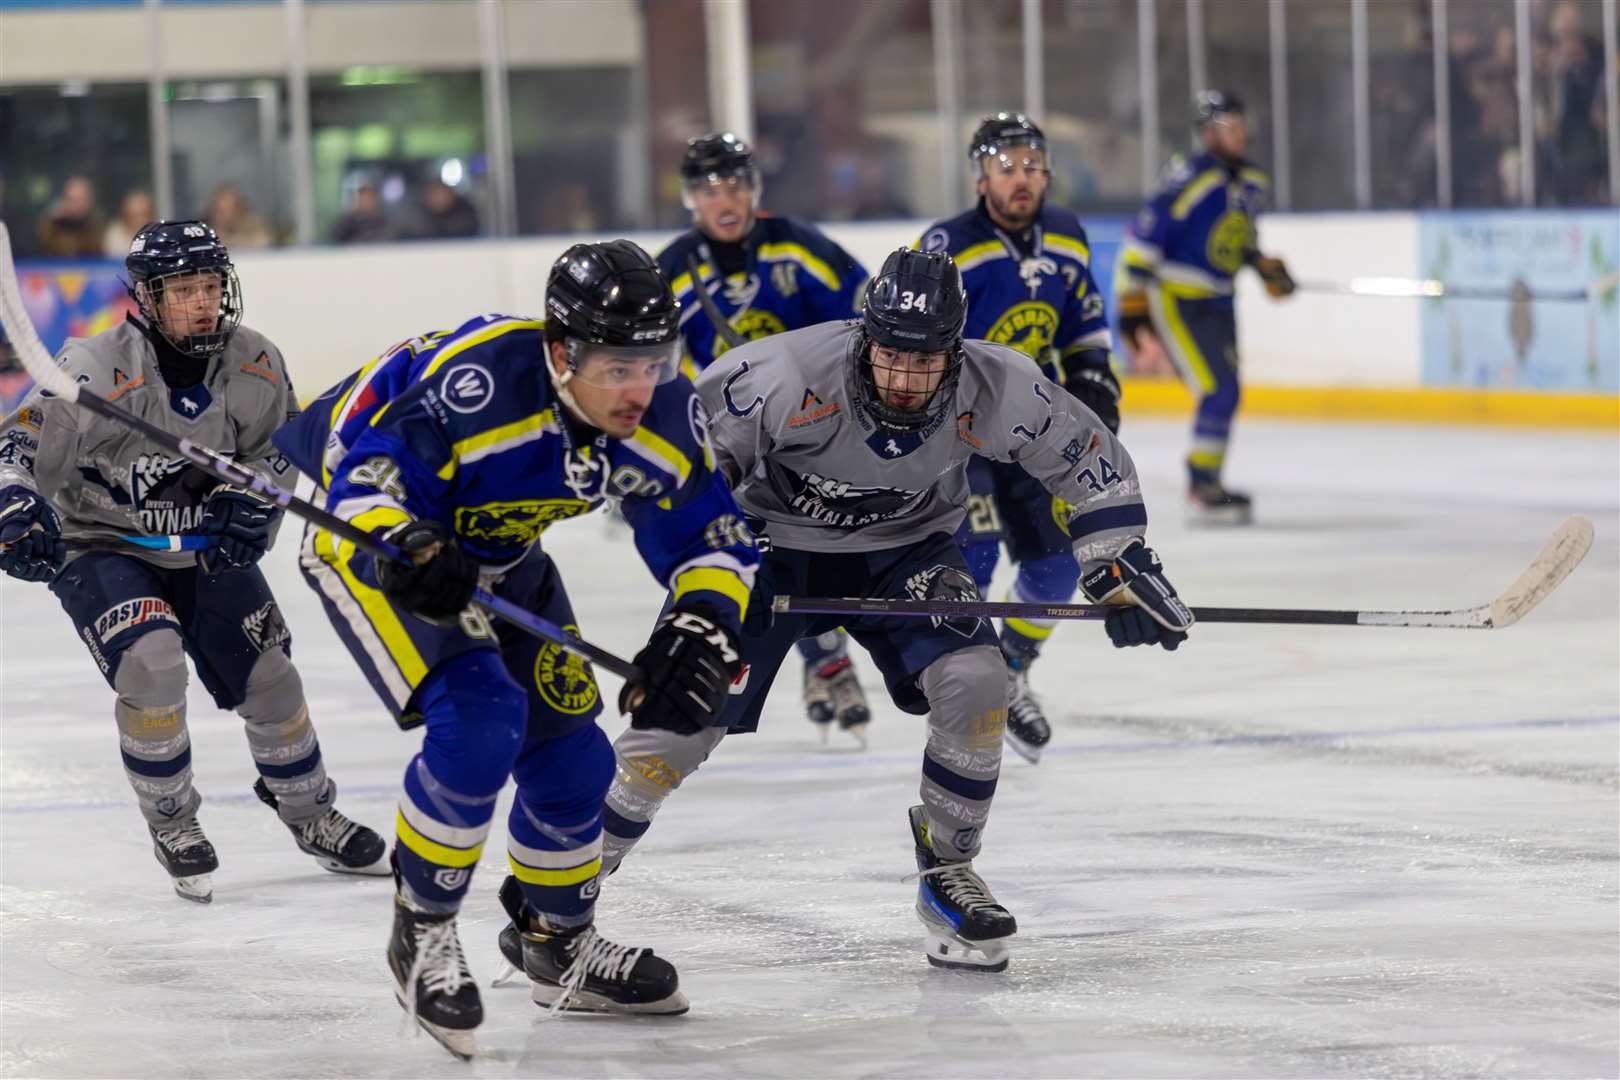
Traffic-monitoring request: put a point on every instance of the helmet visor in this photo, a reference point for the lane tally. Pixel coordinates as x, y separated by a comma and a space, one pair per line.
624, 367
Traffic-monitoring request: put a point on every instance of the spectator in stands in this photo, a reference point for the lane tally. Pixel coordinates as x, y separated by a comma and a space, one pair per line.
1569, 129
134, 211
444, 214
365, 222
239, 226
72, 227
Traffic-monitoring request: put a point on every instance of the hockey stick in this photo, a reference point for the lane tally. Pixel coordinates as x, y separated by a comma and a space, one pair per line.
1432, 288
722, 325
174, 542
53, 380
1561, 553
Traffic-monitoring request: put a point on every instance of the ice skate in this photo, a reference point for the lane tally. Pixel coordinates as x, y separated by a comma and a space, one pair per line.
1212, 504
833, 692
1027, 730
188, 857
431, 979
966, 927
340, 845
578, 970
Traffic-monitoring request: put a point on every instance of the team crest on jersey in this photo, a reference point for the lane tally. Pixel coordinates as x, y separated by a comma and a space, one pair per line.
191, 402
1028, 327
845, 505
564, 680
751, 324
164, 504
1228, 240
514, 523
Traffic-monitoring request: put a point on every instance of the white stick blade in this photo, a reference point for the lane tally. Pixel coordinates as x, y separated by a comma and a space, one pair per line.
20, 329
1562, 552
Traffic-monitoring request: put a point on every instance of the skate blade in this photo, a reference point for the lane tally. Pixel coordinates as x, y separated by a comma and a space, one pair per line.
380, 868
199, 888
504, 977
1028, 751
949, 951
858, 733
459, 1042
545, 995
1220, 519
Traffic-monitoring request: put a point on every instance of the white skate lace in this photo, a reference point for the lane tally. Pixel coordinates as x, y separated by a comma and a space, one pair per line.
439, 964
960, 884
331, 831
594, 955
181, 837
1025, 707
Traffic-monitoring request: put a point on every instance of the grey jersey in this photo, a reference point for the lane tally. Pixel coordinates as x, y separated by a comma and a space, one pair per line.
802, 454
104, 479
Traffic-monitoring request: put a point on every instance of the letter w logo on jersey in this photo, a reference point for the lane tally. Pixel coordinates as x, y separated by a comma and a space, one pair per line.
122, 616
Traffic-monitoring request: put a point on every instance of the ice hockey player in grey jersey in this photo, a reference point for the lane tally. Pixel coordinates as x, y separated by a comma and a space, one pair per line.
72, 483
847, 447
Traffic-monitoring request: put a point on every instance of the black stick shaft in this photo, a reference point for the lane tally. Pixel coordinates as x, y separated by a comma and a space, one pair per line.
230, 472
957, 609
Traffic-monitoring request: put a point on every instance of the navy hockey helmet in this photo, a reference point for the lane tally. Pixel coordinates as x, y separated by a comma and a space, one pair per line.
1002, 130
162, 253
610, 299
1212, 104
916, 304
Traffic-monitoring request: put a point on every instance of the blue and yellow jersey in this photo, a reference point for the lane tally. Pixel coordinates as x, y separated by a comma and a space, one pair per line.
1194, 235
1034, 292
794, 276
465, 428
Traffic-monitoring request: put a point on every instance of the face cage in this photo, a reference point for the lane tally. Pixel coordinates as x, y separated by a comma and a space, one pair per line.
906, 421
196, 346
756, 186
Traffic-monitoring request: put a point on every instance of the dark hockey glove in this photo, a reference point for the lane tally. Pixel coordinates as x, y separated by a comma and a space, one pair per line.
1274, 272
1150, 612
1133, 314
238, 526
687, 668
438, 582
1097, 389
31, 547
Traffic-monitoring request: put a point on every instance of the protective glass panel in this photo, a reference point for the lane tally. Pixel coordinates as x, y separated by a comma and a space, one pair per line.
69, 155
228, 145
1321, 105
1572, 142
1093, 115
1400, 67
846, 112
1482, 70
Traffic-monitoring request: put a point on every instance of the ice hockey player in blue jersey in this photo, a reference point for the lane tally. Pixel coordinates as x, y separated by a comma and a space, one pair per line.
69, 476
1173, 287
1027, 268
489, 434
764, 275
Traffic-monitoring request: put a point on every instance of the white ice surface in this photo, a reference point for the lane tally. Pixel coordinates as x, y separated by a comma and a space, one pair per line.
1276, 852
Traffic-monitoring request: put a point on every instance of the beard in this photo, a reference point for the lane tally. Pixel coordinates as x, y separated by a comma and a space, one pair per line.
1021, 219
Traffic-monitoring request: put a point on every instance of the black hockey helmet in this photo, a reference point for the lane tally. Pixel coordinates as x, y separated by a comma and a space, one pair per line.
1212, 104
164, 251
1004, 129
718, 154
610, 299
916, 304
